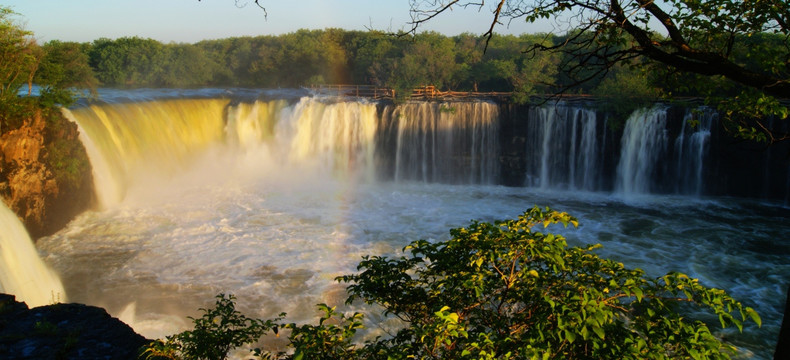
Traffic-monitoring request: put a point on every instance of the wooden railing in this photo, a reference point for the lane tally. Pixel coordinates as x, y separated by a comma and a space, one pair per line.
369, 91
422, 92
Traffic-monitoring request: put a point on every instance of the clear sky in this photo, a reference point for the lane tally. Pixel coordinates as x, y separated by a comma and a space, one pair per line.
190, 21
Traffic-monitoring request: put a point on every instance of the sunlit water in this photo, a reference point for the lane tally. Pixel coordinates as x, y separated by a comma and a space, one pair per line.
275, 233
22, 273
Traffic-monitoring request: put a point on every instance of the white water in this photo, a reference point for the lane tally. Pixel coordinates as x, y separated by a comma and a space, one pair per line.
286, 196
22, 273
691, 147
643, 143
428, 142
563, 150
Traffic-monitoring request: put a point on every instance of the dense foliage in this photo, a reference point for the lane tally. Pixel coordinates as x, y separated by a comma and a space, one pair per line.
505, 290
330, 56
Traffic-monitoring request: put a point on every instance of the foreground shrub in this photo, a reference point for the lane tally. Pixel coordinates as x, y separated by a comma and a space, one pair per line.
218, 331
509, 291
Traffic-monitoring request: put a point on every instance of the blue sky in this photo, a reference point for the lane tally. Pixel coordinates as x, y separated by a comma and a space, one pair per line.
191, 21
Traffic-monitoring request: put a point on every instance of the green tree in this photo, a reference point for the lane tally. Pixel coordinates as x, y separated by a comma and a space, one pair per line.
63, 68
186, 65
709, 38
128, 61
19, 59
626, 89
510, 291
375, 58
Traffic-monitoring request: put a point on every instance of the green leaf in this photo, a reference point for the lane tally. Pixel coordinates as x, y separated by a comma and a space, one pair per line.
599, 331
754, 316
638, 292
570, 336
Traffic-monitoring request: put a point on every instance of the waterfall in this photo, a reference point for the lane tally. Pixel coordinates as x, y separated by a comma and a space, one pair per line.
129, 143
562, 148
22, 273
454, 142
143, 144
643, 145
251, 124
558, 147
691, 149
335, 138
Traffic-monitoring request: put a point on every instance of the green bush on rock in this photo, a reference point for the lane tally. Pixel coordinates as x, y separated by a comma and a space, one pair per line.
505, 290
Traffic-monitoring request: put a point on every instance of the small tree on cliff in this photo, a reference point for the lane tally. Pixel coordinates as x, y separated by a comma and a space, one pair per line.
19, 57
56, 68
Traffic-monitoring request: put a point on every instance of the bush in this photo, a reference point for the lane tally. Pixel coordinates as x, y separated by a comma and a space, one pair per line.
509, 291
219, 330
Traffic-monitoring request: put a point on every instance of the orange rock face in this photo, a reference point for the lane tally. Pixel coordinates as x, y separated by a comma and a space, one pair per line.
28, 184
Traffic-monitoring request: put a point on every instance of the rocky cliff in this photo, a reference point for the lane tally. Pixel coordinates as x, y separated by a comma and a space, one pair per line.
45, 175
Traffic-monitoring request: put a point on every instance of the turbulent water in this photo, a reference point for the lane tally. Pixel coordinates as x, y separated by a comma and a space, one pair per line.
270, 199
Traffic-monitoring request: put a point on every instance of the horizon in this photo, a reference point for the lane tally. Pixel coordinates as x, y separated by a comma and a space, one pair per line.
194, 21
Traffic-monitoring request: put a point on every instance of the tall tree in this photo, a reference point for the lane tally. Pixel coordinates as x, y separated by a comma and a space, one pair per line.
19, 55
63, 68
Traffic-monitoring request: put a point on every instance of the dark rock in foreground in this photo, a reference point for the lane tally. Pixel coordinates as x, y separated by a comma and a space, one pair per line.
63, 331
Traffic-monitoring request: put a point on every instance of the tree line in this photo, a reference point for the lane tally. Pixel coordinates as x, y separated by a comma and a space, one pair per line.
329, 56
465, 62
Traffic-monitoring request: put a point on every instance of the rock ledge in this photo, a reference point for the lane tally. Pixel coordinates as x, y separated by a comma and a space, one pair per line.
64, 331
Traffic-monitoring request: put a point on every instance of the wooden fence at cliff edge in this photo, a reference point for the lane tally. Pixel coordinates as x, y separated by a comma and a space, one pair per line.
423, 92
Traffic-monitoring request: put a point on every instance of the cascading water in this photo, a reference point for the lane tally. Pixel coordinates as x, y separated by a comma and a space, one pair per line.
281, 196
22, 272
643, 144
443, 142
563, 150
691, 149
155, 141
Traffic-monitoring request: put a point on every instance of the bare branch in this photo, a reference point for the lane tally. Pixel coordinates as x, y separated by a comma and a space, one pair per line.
240, 5
490, 32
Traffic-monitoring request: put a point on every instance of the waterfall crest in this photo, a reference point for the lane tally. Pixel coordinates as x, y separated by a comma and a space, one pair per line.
443, 142
22, 272
691, 149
